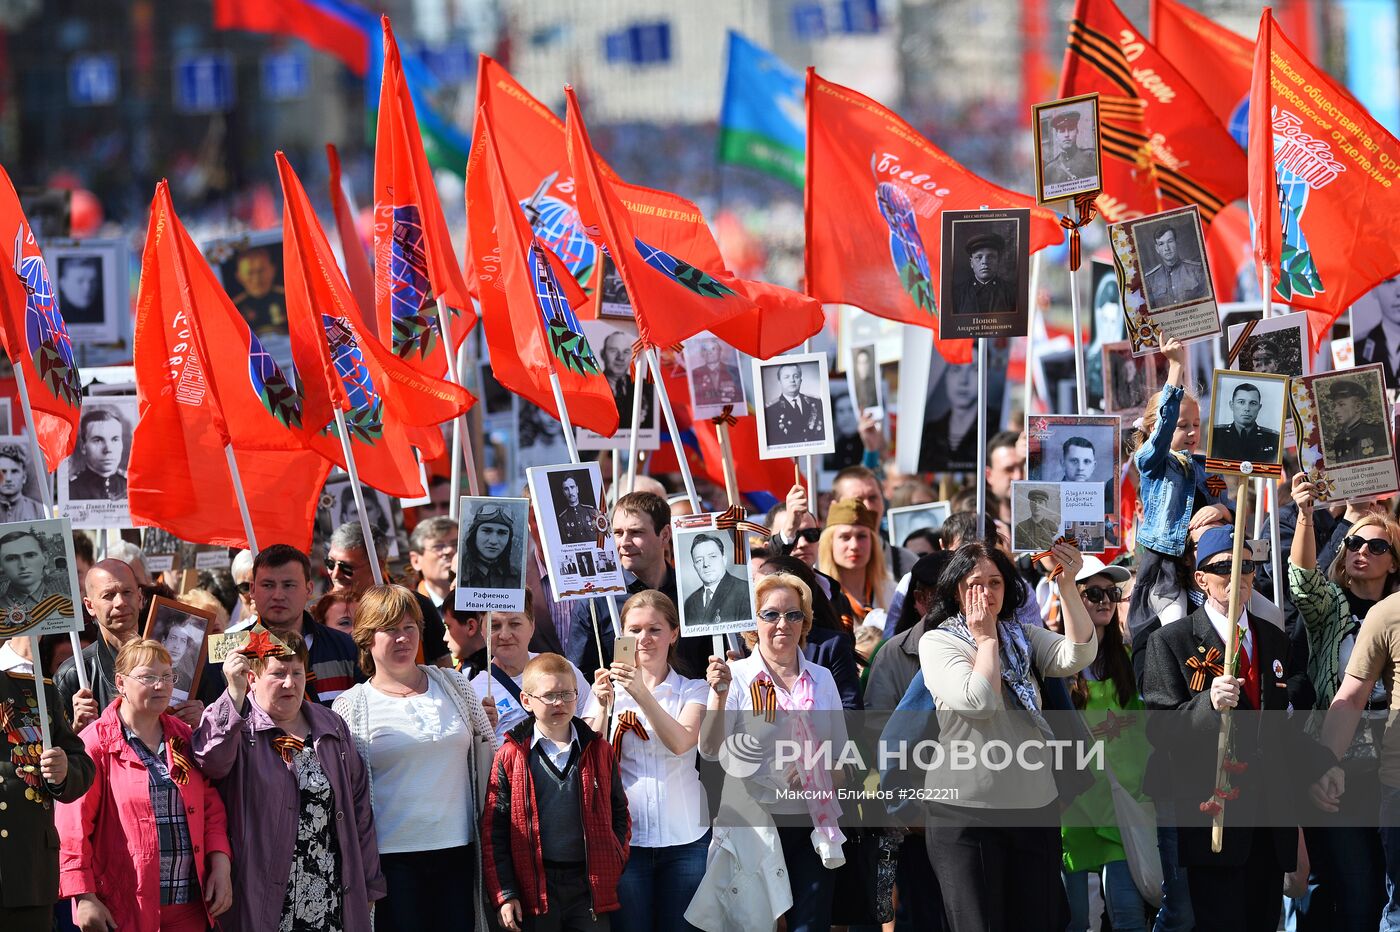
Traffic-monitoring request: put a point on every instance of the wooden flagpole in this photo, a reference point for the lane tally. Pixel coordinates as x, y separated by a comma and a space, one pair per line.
359, 494
1081, 393
1217, 819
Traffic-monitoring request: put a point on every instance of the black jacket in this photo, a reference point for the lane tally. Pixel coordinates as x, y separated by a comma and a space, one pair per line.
101, 663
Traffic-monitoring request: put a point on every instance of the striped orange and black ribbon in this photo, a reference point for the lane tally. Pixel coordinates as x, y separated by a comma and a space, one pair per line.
288, 746
725, 417
628, 721
1086, 213
1238, 346
1201, 666
180, 763
1274, 470
764, 696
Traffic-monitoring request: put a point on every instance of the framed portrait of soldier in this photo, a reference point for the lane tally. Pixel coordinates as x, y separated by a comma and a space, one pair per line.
1128, 380
89, 277
1069, 448
38, 578
939, 406
910, 518
611, 296
1276, 345
794, 406
21, 498
337, 507
714, 585
1043, 512
92, 482
1346, 442
249, 267
612, 344
985, 273
494, 538
1165, 276
714, 373
574, 530
183, 629
1375, 329
863, 380
1067, 159
161, 550
1246, 424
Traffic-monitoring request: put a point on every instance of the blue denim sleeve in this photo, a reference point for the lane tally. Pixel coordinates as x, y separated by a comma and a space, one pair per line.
1152, 456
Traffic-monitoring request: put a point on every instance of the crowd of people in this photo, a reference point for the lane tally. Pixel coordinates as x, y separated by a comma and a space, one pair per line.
366, 759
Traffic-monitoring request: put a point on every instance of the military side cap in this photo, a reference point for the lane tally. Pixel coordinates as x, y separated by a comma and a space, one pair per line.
986, 241
851, 511
1065, 118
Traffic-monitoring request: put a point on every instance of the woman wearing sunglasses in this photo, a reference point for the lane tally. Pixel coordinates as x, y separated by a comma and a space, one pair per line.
1104, 690
1346, 859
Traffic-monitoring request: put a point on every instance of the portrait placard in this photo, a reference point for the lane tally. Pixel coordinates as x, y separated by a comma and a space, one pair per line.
161, 550
1128, 380
38, 578
714, 585
91, 284
939, 406
249, 267
905, 521
1043, 512
183, 629
1276, 345
1067, 159
867, 389
612, 299
1164, 275
1246, 424
714, 376
1375, 329
985, 273
495, 535
21, 498
337, 507
857, 327
575, 531
92, 482
613, 344
1070, 448
1345, 438
794, 406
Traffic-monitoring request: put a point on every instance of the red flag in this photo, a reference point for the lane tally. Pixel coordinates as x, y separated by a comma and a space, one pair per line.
340, 365
413, 259
357, 270
318, 24
1324, 185
204, 381
1218, 60
875, 188
529, 300
671, 297
36, 339
1162, 145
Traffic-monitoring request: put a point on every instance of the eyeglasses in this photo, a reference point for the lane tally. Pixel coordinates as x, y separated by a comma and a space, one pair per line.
150, 682
773, 617
1376, 547
347, 568
442, 548
1098, 594
244, 587
1223, 569
559, 698
809, 534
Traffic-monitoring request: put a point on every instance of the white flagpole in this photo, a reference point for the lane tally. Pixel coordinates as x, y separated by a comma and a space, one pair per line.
39, 695
1081, 395
1030, 341
461, 435
639, 382
359, 493
981, 477
664, 397
46, 495
242, 498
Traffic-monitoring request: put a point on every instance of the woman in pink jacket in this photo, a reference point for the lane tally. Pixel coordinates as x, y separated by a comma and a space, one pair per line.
146, 849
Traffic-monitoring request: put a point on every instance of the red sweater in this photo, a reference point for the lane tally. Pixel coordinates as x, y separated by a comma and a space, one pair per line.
512, 860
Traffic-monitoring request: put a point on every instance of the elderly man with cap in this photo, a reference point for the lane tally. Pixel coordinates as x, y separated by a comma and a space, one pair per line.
486, 556
1346, 437
14, 469
986, 292
1175, 279
1069, 163
1037, 532
1185, 673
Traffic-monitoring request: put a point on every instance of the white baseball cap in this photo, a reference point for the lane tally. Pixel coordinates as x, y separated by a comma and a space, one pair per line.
1093, 566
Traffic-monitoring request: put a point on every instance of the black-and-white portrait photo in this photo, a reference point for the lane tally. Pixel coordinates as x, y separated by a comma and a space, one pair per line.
905, 521
20, 495
713, 371
1375, 328
1275, 345
1105, 326
984, 269
1074, 448
1247, 417
183, 630
79, 282
92, 487
38, 578
1067, 148
714, 591
89, 277
613, 343
575, 506
1129, 380
613, 301
1035, 516
951, 410
1352, 417
338, 502
794, 411
1172, 255
863, 378
575, 535
161, 549
494, 536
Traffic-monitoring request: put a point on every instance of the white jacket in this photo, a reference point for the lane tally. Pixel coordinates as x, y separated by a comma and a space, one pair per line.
745, 887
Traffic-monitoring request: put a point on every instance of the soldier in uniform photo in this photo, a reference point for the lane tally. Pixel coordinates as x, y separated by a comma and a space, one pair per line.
486, 556
715, 381
864, 379
14, 470
1346, 436
794, 417
101, 442
1243, 439
579, 522
986, 292
1175, 279
261, 301
1382, 342
26, 578
1037, 532
1068, 162
723, 595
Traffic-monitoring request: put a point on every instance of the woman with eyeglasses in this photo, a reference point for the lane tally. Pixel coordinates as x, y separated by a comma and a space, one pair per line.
147, 847
656, 725
1346, 859
426, 738
773, 686
1105, 692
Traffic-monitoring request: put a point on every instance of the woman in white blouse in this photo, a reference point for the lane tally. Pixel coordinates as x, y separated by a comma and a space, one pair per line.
424, 735
656, 727
993, 831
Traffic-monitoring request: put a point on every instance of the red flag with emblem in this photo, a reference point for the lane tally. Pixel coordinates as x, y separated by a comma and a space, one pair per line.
1162, 145
1218, 60
414, 263
35, 336
340, 365
529, 301
875, 188
1324, 185
203, 381
357, 270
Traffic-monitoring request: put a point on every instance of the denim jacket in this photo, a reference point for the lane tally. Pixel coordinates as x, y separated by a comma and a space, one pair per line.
1170, 482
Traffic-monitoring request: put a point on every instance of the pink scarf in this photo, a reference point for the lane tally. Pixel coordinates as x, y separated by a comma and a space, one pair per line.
816, 781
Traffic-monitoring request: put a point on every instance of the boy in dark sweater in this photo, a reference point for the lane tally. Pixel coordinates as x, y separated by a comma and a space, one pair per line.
555, 811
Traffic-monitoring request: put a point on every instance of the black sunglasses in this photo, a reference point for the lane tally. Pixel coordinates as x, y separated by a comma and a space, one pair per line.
1375, 547
244, 587
1098, 594
810, 534
1223, 569
347, 568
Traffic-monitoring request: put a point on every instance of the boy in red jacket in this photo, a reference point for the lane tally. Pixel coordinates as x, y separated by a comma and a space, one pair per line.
556, 810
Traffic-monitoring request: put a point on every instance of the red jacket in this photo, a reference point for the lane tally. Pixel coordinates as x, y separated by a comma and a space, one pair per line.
512, 859
107, 838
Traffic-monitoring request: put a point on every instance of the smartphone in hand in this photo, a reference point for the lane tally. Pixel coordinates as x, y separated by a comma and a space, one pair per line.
625, 650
